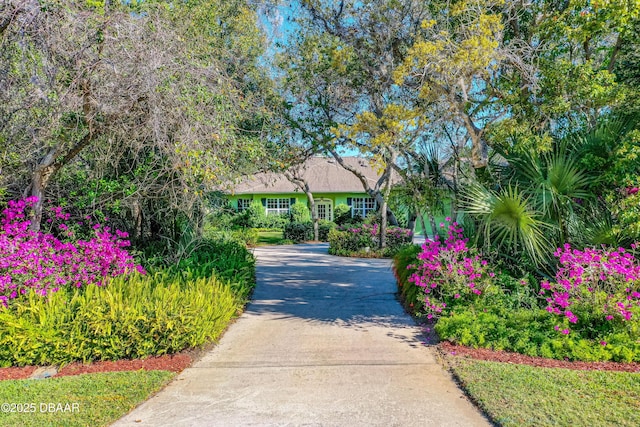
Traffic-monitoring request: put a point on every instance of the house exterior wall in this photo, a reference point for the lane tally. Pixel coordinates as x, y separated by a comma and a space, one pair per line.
336, 198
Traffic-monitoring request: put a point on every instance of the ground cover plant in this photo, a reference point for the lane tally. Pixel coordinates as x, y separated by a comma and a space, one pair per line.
100, 399
522, 395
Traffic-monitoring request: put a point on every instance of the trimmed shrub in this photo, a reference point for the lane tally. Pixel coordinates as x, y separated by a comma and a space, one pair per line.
135, 317
342, 214
255, 215
299, 212
355, 240
298, 232
348, 242
404, 265
324, 227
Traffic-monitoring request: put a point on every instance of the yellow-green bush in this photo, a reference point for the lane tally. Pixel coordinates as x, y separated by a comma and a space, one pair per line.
132, 317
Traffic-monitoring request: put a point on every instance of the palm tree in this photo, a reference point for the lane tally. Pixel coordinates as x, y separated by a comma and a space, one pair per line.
557, 185
508, 221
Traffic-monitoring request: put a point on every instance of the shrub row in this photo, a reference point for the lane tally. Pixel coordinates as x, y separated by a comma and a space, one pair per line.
303, 231
133, 317
363, 240
169, 309
590, 312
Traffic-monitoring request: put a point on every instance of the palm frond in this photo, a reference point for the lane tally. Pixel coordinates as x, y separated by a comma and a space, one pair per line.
507, 221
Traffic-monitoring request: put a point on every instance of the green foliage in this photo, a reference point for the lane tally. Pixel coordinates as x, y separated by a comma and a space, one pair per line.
362, 241
342, 214
324, 228
166, 311
299, 212
255, 215
531, 332
345, 243
508, 221
411, 296
298, 232
136, 318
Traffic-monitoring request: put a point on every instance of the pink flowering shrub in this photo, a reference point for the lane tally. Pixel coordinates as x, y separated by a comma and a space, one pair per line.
596, 284
46, 263
450, 273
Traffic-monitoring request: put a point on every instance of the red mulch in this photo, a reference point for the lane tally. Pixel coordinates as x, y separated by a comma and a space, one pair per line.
448, 348
180, 361
174, 363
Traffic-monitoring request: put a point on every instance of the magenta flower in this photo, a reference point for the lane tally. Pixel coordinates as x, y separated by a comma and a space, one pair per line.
42, 262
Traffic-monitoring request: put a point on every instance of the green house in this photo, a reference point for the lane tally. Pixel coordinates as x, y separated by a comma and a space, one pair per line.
330, 184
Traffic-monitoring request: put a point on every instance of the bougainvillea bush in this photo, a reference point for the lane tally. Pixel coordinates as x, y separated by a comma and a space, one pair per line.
450, 273
591, 311
69, 299
46, 262
594, 287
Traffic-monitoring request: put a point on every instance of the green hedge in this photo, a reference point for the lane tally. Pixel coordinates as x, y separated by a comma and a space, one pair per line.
303, 231
298, 232
299, 212
411, 296
361, 240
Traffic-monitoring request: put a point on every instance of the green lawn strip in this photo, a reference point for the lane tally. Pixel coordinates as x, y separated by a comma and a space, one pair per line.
521, 395
93, 399
269, 237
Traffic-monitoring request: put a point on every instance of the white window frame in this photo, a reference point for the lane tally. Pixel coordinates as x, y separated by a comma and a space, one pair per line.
362, 206
277, 206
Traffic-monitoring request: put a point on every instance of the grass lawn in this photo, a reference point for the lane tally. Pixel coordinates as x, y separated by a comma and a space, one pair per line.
521, 395
269, 237
93, 399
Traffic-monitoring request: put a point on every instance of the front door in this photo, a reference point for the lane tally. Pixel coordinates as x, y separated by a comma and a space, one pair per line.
323, 210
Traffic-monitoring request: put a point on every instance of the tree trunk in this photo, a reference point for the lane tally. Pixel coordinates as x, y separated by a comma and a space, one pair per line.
432, 221
383, 226
454, 209
314, 215
411, 225
136, 211
39, 181
376, 195
423, 225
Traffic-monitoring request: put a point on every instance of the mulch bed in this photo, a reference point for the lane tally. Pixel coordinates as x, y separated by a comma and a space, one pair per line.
447, 348
180, 361
173, 363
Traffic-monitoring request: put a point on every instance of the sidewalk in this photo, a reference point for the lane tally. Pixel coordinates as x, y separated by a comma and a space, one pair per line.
324, 343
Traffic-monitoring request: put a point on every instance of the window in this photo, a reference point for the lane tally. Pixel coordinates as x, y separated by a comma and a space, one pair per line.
243, 204
361, 206
278, 206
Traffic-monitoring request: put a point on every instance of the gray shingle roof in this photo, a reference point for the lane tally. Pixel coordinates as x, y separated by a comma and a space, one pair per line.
324, 175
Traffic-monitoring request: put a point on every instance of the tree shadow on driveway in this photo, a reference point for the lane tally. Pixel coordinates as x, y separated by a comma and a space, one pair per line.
305, 282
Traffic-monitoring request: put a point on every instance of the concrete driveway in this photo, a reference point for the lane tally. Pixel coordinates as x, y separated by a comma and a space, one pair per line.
323, 343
